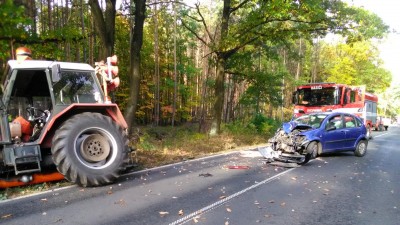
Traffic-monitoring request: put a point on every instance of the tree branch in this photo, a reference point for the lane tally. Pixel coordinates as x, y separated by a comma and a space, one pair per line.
233, 9
203, 21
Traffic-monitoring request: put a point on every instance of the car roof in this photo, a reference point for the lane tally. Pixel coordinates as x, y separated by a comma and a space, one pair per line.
43, 64
331, 113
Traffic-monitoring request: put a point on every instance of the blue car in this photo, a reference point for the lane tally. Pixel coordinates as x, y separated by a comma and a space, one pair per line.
310, 135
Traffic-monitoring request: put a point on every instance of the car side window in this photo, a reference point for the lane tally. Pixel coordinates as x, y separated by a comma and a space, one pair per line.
358, 122
350, 121
336, 121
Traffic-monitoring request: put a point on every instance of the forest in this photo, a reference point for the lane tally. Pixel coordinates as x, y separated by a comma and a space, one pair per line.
210, 62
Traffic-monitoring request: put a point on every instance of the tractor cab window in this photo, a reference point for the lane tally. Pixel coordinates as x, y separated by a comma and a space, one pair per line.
76, 87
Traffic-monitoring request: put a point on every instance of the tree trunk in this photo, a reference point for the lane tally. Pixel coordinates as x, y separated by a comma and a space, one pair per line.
105, 26
175, 71
156, 69
221, 60
134, 68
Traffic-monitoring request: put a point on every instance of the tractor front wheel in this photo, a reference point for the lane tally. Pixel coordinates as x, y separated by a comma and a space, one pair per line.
89, 149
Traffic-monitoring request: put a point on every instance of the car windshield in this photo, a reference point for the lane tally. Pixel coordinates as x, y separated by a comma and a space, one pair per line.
313, 120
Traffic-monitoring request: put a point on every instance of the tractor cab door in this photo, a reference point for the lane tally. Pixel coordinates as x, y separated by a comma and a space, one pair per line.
5, 136
26, 99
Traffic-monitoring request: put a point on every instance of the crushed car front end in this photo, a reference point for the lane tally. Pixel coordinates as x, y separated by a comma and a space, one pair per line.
291, 142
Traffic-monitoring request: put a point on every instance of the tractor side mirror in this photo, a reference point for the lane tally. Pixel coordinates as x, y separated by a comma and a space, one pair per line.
55, 72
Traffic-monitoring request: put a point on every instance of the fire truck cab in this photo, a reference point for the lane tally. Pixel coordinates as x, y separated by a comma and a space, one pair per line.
332, 97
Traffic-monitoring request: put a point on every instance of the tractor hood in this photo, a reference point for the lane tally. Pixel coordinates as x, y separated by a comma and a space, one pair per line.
290, 126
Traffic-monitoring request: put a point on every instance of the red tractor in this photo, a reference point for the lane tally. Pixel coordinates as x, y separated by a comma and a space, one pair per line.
56, 114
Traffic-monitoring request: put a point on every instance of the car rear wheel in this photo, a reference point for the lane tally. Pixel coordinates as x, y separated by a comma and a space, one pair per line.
361, 148
89, 149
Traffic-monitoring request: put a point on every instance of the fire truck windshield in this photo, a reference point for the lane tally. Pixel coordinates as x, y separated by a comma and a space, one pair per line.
316, 97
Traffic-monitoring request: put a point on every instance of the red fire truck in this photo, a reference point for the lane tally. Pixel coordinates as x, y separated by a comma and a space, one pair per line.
329, 97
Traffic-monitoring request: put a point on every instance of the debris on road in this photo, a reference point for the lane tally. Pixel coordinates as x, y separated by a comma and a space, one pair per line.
205, 175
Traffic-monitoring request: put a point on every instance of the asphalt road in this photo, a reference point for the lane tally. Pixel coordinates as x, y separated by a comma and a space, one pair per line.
237, 188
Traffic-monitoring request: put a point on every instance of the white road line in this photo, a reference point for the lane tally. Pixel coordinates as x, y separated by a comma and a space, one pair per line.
187, 218
379, 135
37, 194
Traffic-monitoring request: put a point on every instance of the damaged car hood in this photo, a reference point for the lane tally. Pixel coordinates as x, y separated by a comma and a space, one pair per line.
292, 125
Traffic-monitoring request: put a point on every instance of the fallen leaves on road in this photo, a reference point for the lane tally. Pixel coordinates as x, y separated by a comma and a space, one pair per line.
238, 167
195, 219
109, 192
6, 216
162, 213
120, 202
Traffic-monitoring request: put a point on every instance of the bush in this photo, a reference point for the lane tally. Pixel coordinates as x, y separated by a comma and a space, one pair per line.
264, 125
238, 128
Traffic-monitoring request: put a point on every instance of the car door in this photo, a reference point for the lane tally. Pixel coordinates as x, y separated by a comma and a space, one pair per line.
334, 134
353, 131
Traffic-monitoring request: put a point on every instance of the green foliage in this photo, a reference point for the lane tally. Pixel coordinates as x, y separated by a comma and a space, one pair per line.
239, 128
13, 25
145, 142
259, 125
355, 64
264, 124
3, 195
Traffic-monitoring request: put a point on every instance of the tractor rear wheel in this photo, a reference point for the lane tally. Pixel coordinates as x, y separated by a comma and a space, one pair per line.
89, 149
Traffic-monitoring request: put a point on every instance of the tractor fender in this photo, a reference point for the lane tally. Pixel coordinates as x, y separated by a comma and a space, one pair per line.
111, 110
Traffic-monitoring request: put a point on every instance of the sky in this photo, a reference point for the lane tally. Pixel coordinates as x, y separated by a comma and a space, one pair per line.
389, 11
